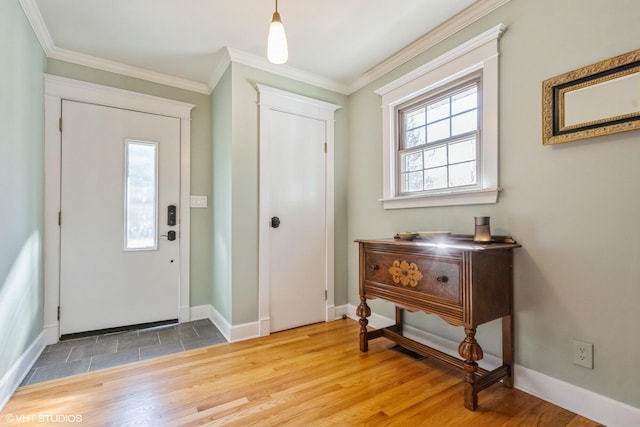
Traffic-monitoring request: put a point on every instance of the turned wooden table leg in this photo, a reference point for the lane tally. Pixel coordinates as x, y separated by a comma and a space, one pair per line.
471, 352
363, 311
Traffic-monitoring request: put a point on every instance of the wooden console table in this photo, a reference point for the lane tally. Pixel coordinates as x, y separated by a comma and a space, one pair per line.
465, 283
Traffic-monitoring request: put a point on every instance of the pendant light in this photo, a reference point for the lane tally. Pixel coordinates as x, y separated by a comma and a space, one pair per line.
277, 50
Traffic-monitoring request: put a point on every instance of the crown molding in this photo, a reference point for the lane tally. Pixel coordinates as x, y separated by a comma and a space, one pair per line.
465, 18
32, 12
34, 17
127, 70
221, 68
261, 63
491, 34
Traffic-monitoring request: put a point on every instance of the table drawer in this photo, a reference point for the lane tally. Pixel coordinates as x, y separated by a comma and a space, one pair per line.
431, 276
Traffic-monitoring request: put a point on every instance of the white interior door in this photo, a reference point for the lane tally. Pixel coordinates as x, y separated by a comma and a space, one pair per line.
120, 172
297, 247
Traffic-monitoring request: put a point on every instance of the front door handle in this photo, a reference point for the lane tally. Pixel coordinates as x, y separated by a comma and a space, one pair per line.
275, 222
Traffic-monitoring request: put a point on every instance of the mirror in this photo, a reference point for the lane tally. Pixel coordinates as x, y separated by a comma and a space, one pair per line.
600, 99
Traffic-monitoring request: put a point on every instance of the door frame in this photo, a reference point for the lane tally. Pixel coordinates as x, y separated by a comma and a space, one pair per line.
57, 89
279, 100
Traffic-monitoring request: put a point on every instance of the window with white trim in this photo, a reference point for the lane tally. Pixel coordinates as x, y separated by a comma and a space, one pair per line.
440, 129
438, 140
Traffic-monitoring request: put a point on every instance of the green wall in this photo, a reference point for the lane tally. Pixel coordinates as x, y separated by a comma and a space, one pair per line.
238, 184
222, 196
573, 207
21, 184
200, 160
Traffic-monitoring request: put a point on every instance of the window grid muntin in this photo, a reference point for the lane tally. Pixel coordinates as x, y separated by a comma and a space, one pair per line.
448, 92
405, 172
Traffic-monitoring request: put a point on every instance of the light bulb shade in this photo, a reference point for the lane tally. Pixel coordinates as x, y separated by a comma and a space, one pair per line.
277, 50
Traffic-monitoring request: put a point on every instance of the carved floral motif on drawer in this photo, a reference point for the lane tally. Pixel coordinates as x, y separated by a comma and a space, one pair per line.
405, 273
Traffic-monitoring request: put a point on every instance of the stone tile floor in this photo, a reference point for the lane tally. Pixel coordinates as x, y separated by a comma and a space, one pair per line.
86, 354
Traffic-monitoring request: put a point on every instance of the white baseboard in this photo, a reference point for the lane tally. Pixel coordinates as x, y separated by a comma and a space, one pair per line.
265, 326
51, 334
231, 333
184, 314
331, 313
341, 310
583, 402
201, 312
19, 370
246, 331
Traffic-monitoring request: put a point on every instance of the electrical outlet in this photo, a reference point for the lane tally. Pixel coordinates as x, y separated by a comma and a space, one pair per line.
583, 354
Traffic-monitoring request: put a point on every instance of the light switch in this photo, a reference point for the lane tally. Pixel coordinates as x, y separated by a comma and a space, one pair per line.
198, 201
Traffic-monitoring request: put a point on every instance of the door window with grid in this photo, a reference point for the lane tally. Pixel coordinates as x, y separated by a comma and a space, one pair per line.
439, 139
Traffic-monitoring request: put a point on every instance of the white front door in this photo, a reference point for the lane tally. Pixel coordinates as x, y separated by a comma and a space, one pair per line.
297, 242
120, 172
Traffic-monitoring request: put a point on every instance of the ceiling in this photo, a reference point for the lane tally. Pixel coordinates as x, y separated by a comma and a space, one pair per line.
188, 43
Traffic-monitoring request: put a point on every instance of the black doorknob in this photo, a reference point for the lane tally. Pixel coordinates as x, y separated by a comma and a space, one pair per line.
275, 222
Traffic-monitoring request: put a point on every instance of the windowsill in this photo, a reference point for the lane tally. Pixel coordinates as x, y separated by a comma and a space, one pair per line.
449, 198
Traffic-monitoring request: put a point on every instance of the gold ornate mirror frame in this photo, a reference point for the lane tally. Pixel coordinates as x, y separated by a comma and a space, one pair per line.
599, 99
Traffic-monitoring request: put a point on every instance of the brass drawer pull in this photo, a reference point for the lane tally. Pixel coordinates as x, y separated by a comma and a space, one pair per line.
373, 267
442, 279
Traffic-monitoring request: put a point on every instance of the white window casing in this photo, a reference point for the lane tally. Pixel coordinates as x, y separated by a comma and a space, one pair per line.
479, 54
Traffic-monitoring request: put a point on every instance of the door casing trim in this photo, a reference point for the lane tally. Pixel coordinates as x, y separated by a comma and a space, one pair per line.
57, 89
276, 99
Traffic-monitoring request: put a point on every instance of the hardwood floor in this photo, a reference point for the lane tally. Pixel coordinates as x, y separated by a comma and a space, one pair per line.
309, 376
